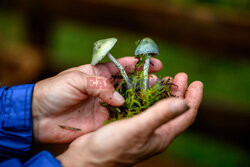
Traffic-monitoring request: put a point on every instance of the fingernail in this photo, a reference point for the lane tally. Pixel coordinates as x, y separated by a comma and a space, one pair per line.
178, 106
118, 97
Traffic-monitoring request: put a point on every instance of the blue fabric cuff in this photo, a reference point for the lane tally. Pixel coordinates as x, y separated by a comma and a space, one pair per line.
44, 158
16, 114
11, 162
16, 125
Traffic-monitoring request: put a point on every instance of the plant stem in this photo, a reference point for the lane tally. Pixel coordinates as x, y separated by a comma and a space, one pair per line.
145, 72
123, 72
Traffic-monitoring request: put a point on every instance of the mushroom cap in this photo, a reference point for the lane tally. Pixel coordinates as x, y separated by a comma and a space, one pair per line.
101, 49
147, 46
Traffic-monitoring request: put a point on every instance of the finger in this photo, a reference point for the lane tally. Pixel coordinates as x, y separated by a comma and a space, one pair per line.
100, 87
152, 79
158, 114
193, 99
180, 87
168, 78
128, 63
87, 69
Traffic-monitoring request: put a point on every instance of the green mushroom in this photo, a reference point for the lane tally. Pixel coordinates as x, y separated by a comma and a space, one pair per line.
101, 49
146, 47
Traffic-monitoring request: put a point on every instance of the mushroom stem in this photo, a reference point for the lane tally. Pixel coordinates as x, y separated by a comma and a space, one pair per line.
145, 72
123, 72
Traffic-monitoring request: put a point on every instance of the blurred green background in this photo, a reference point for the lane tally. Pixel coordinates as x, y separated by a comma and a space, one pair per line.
207, 39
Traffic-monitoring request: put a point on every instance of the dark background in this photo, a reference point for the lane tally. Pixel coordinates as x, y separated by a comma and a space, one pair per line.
208, 39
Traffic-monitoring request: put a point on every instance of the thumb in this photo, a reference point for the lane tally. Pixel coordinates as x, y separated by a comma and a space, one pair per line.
160, 113
101, 87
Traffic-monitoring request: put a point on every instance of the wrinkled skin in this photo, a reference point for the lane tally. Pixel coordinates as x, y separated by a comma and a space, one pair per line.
65, 100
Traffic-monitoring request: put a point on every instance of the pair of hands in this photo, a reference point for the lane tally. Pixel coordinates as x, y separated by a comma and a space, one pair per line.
66, 100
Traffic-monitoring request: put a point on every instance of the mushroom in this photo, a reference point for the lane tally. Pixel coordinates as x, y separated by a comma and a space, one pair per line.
101, 49
146, 47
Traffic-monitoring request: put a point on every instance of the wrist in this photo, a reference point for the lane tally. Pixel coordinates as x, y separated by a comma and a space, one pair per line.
83, 156
74, 158
35, 114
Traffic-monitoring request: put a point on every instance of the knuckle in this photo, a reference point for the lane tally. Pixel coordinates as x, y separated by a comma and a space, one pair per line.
139, 141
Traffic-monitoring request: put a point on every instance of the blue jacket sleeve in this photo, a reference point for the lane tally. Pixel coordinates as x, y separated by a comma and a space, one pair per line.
15, 121
16, 128
43, 159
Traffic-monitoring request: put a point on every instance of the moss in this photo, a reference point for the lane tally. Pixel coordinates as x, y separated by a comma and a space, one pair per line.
136, 98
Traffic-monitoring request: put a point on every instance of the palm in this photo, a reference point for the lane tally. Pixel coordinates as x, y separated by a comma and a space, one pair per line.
86, 116
64, 103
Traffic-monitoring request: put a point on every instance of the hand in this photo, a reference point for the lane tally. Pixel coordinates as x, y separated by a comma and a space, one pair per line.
66, 100
130, 141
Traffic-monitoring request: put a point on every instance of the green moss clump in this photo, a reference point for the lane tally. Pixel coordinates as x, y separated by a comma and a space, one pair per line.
136, 98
